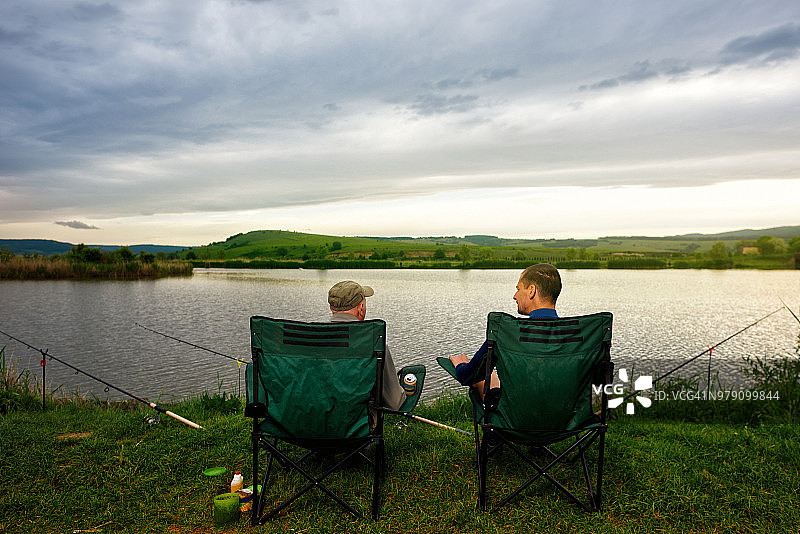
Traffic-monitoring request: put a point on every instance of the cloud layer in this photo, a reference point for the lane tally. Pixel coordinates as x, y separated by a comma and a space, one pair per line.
148, 109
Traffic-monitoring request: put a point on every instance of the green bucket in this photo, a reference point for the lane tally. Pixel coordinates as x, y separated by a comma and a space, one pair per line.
226, 508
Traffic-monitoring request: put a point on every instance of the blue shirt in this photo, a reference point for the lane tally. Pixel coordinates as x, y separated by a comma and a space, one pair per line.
464, 371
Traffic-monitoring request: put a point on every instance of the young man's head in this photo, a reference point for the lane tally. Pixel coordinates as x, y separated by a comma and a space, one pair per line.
349, 297
538, 287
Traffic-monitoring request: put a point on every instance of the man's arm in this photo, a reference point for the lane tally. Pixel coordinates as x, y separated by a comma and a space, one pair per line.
466, 368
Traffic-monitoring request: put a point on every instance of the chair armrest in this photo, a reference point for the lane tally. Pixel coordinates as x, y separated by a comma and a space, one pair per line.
447, 365
411, 400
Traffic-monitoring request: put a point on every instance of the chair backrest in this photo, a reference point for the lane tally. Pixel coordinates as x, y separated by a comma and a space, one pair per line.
316, 379
546, 368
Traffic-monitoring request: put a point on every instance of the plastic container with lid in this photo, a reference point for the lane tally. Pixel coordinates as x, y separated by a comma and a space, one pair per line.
237, 483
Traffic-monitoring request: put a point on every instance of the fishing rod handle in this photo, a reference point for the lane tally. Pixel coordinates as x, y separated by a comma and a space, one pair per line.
184, 420
175, 416
440, 425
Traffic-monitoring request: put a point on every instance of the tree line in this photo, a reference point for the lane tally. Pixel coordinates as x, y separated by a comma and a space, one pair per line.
766, 246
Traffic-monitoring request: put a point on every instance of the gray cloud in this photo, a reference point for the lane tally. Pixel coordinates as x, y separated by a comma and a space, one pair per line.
433, 104
479, 77
776, 44
642, 71
86, 12
78, 225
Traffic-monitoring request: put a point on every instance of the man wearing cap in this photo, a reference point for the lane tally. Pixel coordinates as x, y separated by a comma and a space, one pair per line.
348, 303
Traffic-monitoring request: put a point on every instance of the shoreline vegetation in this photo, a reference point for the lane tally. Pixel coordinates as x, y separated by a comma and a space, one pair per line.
632, 263
87, 465
84, 263
276, 249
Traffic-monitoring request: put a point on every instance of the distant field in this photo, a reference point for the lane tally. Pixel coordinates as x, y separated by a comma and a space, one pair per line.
657, 245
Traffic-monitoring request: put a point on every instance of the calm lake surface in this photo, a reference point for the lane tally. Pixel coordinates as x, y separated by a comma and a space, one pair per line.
661, 318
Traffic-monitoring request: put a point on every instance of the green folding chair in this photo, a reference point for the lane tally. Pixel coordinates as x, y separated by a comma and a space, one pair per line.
317, 387
547, 370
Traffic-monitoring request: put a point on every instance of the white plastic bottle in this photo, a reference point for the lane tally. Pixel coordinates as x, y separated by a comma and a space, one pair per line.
237, 483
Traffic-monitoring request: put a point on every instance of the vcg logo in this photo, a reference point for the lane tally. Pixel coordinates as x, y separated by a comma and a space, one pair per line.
642, 383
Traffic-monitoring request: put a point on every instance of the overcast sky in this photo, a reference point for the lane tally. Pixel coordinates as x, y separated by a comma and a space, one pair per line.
184, 122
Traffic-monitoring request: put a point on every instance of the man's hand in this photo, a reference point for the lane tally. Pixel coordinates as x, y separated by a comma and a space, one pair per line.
459, 359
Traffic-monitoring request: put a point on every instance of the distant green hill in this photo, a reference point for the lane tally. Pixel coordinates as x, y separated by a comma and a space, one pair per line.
48, 247
784, 232
42, 247
285, 245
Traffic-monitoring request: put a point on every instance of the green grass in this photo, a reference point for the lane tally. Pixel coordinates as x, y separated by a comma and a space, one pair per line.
76, 468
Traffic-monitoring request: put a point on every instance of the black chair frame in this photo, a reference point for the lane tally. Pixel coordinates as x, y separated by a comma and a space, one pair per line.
584, 438
351, 447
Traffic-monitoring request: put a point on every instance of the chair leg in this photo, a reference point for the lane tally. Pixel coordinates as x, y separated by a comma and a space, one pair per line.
598, 503
378, 467
587, 476
258, 498
256, 493
314, 481
483, 457
543, 471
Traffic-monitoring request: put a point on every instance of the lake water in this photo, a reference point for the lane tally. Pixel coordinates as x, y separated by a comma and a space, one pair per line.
660, 319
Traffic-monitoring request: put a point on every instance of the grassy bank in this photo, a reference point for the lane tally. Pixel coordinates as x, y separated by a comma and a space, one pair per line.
105, 469
88, 466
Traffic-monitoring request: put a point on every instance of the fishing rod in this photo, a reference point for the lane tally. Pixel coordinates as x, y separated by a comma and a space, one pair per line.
707, 351
429, 421
191, 344
46, 354
790, 310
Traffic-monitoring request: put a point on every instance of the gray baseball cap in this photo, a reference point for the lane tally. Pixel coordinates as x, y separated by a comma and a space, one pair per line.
347, 295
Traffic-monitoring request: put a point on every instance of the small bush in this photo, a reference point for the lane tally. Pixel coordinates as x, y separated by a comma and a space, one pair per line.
220, 402
18, 390
781, 376
773, 397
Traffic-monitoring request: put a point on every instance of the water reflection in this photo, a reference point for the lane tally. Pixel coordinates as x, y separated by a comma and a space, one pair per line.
660, 319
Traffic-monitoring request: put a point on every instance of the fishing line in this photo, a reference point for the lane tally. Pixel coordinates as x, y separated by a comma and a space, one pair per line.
237, 360
191, 344
46, 354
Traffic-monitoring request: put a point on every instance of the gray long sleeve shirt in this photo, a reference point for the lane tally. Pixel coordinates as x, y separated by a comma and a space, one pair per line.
393, 394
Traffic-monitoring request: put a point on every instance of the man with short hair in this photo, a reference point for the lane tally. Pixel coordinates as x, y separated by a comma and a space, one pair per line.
348, 302
537, 291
